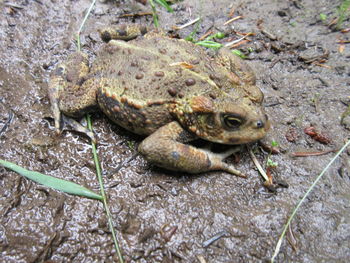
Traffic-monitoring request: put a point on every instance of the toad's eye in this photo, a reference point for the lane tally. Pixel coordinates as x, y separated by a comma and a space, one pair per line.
231, 122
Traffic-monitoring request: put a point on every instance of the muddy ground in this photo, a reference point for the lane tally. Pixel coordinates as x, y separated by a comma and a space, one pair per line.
162, 216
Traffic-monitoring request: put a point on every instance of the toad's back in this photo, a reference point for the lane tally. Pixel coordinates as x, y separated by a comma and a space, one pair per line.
155, 68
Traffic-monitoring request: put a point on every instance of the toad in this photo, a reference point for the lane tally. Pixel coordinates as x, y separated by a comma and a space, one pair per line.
169, 90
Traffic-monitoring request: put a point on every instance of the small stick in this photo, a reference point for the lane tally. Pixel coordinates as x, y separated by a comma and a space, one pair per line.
187, 24
232, 19
244, 41
304, 154
237, 41
257, 164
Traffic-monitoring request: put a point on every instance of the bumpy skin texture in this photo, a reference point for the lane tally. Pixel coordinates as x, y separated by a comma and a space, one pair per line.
167, 89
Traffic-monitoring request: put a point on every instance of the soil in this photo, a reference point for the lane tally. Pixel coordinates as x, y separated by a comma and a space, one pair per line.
163, 216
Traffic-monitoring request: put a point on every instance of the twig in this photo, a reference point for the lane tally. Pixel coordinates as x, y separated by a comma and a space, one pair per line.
232, 19
257, 164
240, 43
217, 236
187, 24
237, 41
9, 119
304, 154
136, 14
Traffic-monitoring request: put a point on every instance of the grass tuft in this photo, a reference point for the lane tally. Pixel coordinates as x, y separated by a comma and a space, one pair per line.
343, 13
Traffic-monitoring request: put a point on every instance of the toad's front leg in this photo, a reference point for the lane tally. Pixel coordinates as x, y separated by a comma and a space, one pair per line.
71, 94
166, 149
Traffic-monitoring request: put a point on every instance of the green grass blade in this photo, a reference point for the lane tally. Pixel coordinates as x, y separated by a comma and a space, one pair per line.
239, 53
83, 23
104, 196
343, 13
165, 4
209, 44
279, 243
154, 14
52, 182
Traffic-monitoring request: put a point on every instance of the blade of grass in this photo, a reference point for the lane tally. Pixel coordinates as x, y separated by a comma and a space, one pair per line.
209, 44
343, 12
83, 23
279, 243
52, 182
154, 13
97, 163
103, 193
165, 5
239, 53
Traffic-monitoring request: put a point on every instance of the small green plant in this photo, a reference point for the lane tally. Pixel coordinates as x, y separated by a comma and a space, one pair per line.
131, 145
271, 163
323, 17
343, 13
239, 53
190, 37
219, 35
209, 43
274, 144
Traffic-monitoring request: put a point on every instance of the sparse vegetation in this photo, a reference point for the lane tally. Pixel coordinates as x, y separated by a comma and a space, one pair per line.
154, 10
343, 13
279, 242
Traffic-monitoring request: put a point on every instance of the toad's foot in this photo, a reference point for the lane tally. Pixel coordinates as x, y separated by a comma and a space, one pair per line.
122, 32
76, 126
166, 148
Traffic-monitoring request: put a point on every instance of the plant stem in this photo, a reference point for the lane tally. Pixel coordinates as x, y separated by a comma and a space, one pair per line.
83, 23
103, 193
279, 243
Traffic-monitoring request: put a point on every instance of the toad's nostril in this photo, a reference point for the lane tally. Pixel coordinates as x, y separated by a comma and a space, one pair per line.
260, 124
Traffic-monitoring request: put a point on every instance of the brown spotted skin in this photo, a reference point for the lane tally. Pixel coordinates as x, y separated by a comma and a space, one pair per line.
169, 89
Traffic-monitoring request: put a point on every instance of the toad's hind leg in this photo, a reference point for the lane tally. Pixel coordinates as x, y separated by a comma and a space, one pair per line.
236, 65
122, 32
166, 148
70, 93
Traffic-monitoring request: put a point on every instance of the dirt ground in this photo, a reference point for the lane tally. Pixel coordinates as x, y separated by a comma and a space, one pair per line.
163, 216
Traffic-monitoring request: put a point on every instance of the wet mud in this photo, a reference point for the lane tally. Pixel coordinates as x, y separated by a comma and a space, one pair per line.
163, 216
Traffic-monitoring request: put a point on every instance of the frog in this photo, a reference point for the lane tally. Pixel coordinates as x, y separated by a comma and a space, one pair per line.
169, 90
